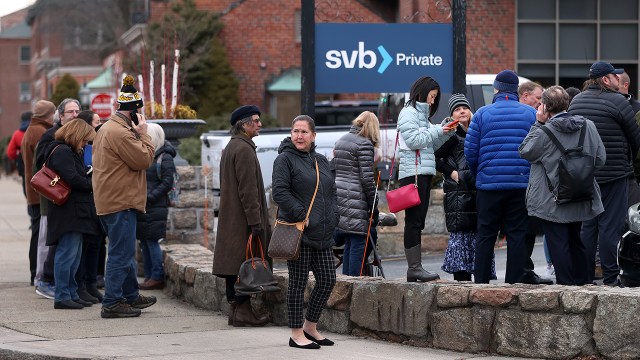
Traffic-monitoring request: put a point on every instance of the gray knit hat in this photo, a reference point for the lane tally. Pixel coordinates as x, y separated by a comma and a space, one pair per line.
457, 100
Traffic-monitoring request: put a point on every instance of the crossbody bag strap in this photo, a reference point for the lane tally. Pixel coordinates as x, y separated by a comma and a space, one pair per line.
314, 193
393, 161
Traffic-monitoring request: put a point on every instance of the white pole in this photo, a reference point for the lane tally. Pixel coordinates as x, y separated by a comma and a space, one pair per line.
141, 91
163, 91
151, 99
174, 84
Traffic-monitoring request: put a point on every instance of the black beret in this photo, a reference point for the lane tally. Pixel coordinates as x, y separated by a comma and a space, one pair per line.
243, 112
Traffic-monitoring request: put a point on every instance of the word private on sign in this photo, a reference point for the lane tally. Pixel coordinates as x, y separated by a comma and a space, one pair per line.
382, 57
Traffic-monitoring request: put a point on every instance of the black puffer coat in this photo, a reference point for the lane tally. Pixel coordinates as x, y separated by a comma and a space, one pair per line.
152, 225
356, 188
614, 118
293, 183
77, 213
459, 198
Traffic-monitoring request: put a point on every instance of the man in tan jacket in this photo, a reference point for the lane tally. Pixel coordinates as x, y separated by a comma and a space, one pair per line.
41, 121
122, 151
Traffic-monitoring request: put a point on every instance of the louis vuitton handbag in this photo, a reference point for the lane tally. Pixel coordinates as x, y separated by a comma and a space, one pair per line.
254, 275
286, 236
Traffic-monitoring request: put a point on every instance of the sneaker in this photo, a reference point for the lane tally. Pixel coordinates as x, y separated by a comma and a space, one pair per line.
551, 271
119, 310
46, 290
142, 301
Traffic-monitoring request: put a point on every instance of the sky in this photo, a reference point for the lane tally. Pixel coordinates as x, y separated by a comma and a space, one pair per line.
9, 6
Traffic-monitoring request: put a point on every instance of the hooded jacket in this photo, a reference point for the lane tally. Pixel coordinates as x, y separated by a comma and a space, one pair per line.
539, 149
614, 119
294, 182
491, 145
417, 133
356, 188
152, 225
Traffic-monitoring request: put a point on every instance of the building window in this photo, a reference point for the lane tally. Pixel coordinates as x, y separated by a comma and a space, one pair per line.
25, 92
558, 40
297, 26
25, 54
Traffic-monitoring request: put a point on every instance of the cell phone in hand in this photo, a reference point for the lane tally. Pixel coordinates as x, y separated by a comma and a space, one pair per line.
134, 116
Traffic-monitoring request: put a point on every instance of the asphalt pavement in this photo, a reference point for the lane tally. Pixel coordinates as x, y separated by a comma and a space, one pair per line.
30, 328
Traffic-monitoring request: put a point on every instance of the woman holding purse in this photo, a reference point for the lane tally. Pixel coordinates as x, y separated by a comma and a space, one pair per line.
296, 172
417, 142
67, 223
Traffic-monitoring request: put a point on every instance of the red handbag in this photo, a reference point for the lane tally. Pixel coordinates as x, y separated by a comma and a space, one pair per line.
48, 183
406, 196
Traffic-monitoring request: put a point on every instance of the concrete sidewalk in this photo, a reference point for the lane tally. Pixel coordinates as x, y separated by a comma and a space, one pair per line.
30, 328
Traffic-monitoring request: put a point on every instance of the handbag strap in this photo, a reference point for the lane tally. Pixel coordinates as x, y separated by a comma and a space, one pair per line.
249, 251
393, 161
312, 199
51, 153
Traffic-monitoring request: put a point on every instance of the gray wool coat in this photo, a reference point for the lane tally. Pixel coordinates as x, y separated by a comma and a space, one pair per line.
543, 155
242, 203
355, 185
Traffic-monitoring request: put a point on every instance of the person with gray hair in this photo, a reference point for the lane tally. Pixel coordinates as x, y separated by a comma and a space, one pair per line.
152, 225
242, 211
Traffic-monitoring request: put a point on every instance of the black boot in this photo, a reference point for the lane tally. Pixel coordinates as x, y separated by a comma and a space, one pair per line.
92, 289
415, 272
462, 276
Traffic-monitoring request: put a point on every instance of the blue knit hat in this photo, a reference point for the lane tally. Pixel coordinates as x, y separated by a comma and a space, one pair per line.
506, 81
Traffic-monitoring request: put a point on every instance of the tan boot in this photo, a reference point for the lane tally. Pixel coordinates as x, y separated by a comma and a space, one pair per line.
244, 316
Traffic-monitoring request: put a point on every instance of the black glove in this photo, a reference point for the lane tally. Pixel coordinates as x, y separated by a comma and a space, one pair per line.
256, 231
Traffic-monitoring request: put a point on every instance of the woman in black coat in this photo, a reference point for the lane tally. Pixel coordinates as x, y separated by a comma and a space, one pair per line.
151, 227
67, 223
461, 214
294, 184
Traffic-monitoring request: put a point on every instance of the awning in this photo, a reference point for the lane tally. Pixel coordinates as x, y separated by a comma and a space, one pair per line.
289, 81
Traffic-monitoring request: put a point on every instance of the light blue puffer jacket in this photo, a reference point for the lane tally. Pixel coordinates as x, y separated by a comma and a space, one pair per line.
418, 134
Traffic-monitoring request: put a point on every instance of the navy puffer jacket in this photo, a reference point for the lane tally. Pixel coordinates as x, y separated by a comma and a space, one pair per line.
614, 118
152, 225
293, 183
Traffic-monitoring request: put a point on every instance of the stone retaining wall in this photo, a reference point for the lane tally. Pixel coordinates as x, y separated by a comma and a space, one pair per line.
557, 322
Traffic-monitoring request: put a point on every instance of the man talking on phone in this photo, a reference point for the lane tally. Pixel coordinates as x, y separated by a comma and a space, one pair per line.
122, 151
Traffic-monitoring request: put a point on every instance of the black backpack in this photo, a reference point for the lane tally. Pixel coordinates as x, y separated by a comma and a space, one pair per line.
575, 172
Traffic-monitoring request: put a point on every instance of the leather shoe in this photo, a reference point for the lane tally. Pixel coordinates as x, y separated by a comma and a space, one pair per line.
323, 342
535, 279
152, 285
308, 346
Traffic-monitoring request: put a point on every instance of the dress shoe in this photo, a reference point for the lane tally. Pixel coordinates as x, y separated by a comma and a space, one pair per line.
152, 285
67, 304
534, 279
84, 295
92, 289
308, 346
323, 342
83, 302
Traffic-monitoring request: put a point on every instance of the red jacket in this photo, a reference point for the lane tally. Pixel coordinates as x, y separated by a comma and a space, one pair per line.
13, 148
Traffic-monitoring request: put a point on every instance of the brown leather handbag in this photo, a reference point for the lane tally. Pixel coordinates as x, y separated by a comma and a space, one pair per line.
286, 236
48, 183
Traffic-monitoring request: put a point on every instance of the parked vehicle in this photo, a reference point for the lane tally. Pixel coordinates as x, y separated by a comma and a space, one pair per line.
333, 119
629, 249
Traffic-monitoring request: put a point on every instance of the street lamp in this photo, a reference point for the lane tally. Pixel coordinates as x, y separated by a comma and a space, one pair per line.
85, 96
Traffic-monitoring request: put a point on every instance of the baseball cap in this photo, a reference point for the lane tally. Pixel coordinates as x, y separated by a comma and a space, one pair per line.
601, 68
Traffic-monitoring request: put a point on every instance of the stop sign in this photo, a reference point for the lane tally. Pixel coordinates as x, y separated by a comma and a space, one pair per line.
102, 104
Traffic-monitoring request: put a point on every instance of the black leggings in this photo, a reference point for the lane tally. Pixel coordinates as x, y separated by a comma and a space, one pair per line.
414, 217
230, 281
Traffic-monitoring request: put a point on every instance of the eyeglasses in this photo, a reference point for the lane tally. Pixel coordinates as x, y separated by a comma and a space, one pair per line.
256, 120
72, 112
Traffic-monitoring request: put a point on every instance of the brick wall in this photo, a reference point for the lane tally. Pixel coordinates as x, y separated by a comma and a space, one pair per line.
490, 36
10, 105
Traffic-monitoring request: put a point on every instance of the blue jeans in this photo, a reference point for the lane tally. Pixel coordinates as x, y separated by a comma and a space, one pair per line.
67, 260
353, 253
152, 257
120, 279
